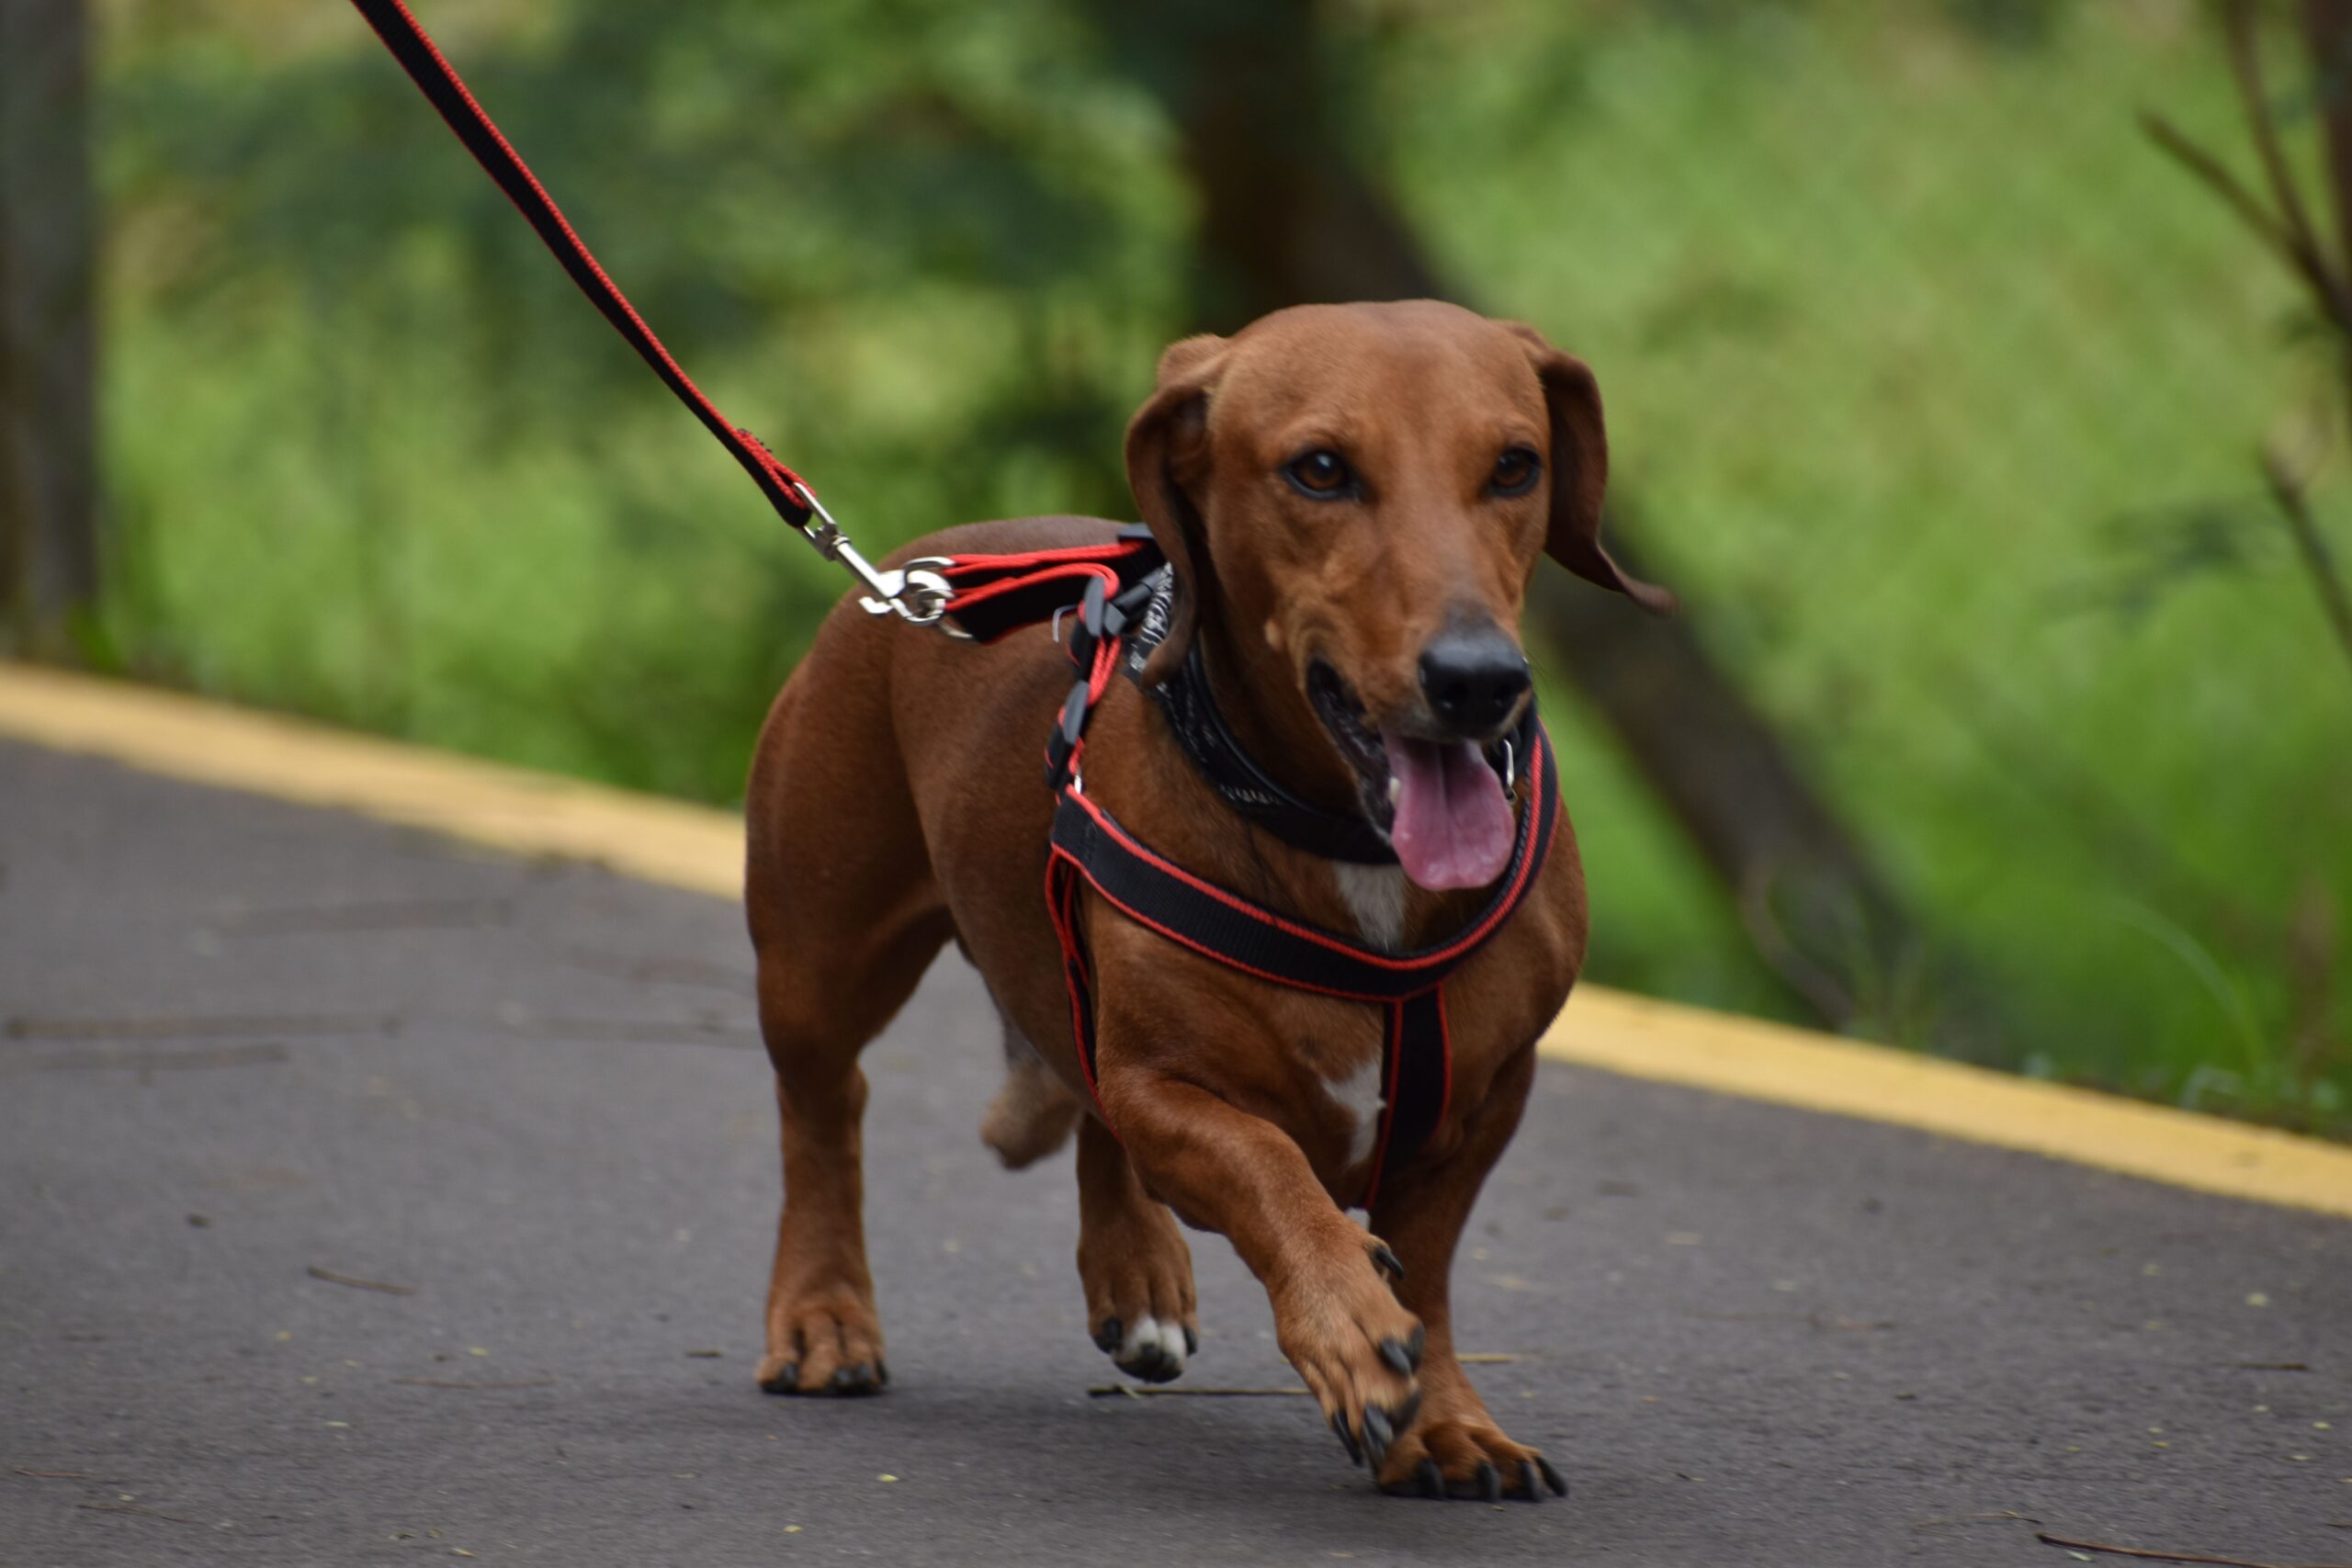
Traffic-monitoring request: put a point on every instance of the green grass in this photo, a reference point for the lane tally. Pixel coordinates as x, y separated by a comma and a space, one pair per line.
1917, 359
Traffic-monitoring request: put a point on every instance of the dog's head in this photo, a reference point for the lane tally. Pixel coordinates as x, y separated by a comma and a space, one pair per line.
1359, 493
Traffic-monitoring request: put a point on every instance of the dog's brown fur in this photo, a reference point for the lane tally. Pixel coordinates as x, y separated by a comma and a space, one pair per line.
896, 803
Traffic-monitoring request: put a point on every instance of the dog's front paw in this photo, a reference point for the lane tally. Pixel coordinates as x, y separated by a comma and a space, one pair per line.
1138, 1278
1151, 1348
1358, 1351
1447, 1456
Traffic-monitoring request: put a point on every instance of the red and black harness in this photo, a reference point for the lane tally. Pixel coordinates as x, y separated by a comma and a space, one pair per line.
1123, 586
1116, 595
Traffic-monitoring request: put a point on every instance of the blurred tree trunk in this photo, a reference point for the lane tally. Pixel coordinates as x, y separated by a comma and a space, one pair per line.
48, 558
2327, 31
1287, 217
1816, 909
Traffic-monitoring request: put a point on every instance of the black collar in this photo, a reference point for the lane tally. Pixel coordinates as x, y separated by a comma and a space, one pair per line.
1190, 706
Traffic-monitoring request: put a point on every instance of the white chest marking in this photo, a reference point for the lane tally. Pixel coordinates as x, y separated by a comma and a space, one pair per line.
1376, 896
1359, 1094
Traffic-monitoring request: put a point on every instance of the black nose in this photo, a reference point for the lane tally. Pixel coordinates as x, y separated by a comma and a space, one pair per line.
1472, 678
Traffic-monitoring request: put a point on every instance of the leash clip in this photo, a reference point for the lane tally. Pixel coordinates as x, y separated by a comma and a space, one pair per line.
914, 594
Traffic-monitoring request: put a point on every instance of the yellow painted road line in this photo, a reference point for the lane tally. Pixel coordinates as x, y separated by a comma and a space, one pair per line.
511, 808
1665, 1042
700, 849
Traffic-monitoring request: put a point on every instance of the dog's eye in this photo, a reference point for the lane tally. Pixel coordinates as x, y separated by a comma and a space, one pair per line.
1322, 473
1516, 472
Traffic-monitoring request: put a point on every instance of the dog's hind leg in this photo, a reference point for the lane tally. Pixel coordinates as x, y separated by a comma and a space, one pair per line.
1034, 1111
818, 1010
1134, 1265
845, 916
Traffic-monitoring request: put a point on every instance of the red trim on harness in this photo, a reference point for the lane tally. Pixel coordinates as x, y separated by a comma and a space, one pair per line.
1118, 551
1098, 680
1061, 906
988, 591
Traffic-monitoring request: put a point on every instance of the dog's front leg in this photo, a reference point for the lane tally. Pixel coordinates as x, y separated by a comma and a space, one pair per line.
1226, 1170
1456, 1448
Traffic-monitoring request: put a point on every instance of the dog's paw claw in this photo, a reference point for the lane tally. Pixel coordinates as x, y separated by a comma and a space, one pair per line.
1109, 1336
1348, 1441
1378, 1433
865, 1377
1404, 1356
1385, 1260
1469, 1458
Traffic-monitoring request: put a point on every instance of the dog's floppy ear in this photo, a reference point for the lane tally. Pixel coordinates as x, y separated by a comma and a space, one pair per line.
1580, 474
1167, 463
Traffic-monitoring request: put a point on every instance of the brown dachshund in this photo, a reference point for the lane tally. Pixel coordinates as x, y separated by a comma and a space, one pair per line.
1353, 499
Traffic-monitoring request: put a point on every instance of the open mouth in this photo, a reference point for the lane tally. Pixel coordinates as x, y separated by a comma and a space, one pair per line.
1335, 703
1440, 804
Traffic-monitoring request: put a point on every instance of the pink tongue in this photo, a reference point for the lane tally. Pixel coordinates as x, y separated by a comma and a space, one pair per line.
1452, 827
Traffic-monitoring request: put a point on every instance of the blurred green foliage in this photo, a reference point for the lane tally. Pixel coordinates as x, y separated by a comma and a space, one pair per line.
1935, 389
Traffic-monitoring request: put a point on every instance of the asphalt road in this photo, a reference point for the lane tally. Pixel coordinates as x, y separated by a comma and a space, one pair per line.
244, 1040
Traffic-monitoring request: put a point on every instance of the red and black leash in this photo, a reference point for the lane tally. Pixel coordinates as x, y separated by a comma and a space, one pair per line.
432, 71
919, 597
